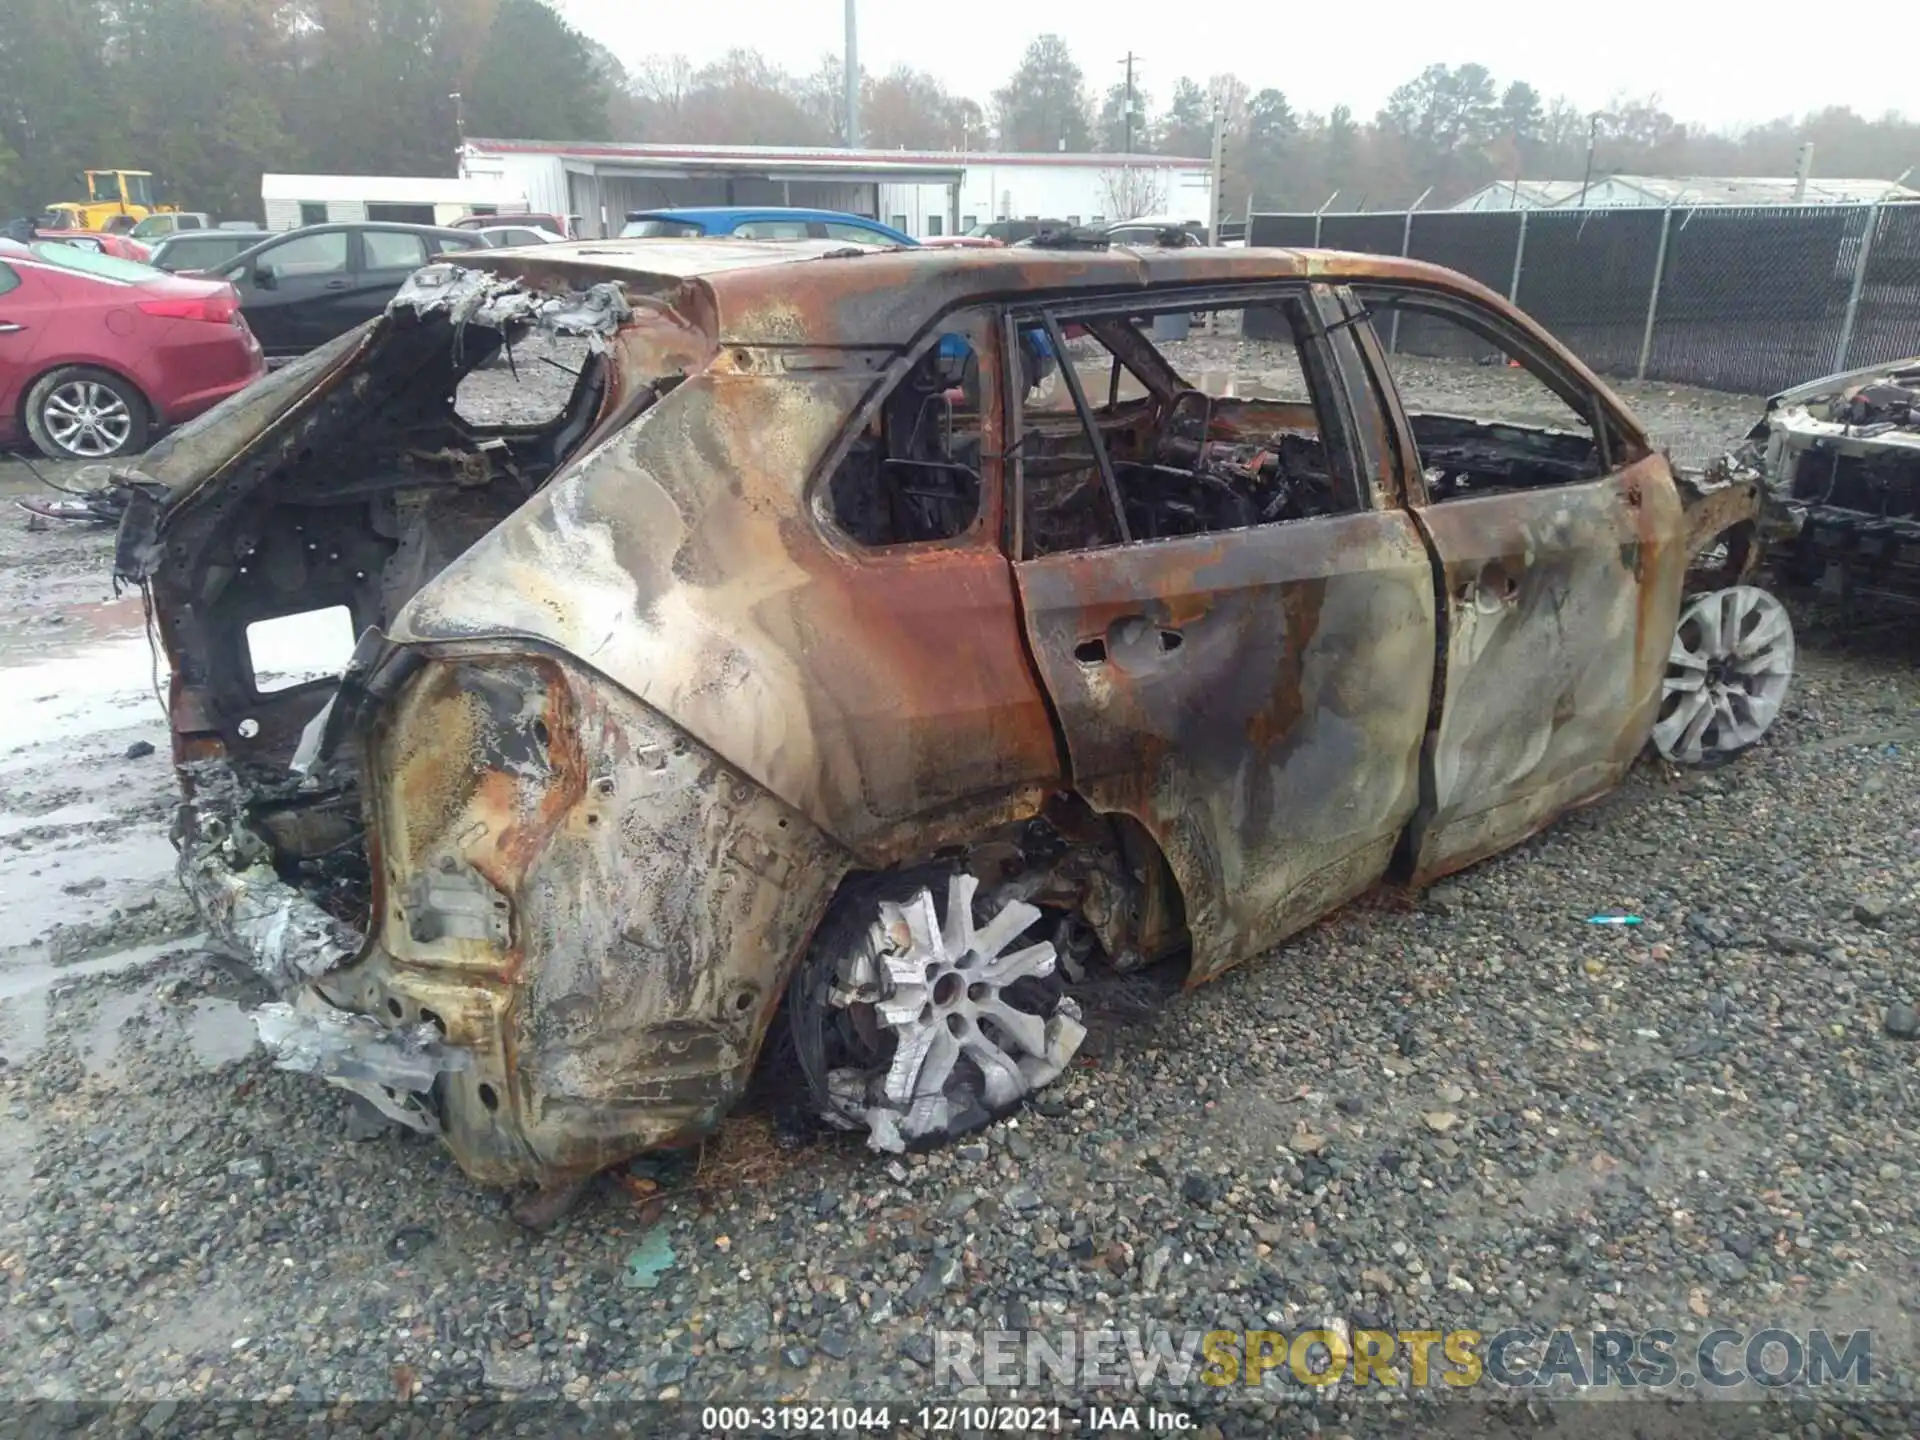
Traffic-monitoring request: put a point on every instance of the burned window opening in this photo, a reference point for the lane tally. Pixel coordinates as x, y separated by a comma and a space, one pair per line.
1464, 457
1545, 439
913, 473
527, 381
1185, 461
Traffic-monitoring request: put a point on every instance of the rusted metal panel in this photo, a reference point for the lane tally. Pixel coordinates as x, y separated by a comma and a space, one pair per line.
1714, 510
863, 688
1561, 604
641, 903
1256, 699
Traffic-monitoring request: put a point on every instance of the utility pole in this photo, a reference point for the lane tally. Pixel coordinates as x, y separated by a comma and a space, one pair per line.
1216, 207
853, 80
1127, 149
1802, 172
1593, 139
459, 118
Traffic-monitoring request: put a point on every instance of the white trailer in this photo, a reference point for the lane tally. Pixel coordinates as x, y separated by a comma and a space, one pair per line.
290, 201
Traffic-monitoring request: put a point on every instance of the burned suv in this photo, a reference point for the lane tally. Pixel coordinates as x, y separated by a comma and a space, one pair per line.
836, 658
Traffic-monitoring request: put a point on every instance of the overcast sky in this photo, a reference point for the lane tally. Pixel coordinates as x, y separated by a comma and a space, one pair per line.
1708, 63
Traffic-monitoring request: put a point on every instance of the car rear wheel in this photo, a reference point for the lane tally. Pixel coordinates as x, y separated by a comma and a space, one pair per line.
920, 1028
85, 414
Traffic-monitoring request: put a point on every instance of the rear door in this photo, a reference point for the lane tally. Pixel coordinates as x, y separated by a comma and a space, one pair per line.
1560, 539
936, 700
1245, 666
27, 304
387, 258
293, 292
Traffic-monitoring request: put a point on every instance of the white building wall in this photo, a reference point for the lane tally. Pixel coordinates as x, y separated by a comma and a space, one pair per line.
542, 179
346, 197
1084, 194
1079, 194
913, 208
991, 188
285, 214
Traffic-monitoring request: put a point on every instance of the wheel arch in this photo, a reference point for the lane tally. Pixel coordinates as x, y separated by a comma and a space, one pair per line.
1110, 873
1729, 513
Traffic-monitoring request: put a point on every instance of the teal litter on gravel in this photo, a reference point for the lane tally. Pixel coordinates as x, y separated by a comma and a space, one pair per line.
650, 1262
1613, 920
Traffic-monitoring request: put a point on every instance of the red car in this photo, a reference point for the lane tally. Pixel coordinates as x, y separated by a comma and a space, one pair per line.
98, 353
121, 247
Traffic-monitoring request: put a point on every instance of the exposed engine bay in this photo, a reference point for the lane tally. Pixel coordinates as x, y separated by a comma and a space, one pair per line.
1840, 458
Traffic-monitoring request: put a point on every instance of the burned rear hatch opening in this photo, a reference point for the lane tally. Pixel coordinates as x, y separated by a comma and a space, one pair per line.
308, 512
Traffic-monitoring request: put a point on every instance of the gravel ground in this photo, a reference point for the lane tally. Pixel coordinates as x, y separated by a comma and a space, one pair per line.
1469, 1109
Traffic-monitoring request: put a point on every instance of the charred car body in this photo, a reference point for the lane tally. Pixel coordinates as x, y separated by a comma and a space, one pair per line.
1841, 461
808, 659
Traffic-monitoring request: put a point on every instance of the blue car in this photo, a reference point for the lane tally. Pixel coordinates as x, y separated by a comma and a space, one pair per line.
775, 222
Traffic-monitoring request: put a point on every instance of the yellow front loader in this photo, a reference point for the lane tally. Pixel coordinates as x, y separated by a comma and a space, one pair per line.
117, 200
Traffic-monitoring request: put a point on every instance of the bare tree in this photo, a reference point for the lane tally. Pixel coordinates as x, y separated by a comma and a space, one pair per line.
1131, 191
662, 84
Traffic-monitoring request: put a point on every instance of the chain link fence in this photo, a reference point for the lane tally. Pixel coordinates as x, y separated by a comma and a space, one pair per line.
1750, 298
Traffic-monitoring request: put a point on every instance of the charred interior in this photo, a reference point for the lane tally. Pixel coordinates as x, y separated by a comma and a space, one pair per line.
1182, 461
914, 473
1465, 457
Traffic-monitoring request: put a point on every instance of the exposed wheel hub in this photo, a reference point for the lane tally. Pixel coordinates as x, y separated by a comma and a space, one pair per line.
970, 1032
1727, 674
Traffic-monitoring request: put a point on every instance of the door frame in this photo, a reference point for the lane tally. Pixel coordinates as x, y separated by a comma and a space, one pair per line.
1358, 439
909, 582
1652, 501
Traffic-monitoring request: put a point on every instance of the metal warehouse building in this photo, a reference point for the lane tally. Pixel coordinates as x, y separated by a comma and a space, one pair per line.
925, 193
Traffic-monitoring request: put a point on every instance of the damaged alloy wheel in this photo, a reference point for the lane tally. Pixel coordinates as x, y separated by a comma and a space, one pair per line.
1727, 674
917, 1028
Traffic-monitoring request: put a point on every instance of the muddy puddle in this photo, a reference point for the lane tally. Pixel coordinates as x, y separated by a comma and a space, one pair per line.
132, 1012
90, 672
84, 669
86, 789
